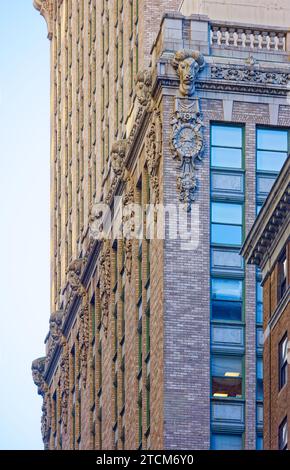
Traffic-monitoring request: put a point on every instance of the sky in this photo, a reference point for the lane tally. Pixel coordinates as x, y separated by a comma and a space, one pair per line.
24, 211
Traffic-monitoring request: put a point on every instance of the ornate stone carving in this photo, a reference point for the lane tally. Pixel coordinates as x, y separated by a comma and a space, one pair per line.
105, 284
84, 338
249, 75
38, 369
46, 420
143, 86
64, 386
55, 324
73, 275
154, 152
187, 142
45, 7
128, 221
118, 154
188, 63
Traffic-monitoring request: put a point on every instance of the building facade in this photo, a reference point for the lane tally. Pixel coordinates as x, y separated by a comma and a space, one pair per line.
156, 341
268, 247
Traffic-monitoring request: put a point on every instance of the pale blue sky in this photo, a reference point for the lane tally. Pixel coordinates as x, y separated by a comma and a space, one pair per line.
24, 209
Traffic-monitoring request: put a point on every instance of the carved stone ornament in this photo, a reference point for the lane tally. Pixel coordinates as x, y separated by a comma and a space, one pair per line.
118, 154
73, 275
105, 284
187, 143
128, 222
154, 153
45, 7
46, 420
143, 86
38, 369
84, 338
249, 75
188, 63
64, 386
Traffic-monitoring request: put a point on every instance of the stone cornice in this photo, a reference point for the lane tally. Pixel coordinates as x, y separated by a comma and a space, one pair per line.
45, 8
272, 220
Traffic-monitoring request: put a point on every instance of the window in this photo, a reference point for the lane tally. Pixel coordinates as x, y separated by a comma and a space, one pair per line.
227, 377
260, 394
227, 295
259, 303
226, 146
227, 442
282, 275
272, 149
283, 435
259, 443
227, 221
283, 362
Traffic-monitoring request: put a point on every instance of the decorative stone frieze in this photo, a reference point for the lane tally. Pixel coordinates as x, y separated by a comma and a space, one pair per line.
84, 338
64, 386
128, 221
249, 75
154, 153
188, 63
187, 143
105, 284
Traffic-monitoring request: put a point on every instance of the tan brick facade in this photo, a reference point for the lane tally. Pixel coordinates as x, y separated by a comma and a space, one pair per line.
129, 366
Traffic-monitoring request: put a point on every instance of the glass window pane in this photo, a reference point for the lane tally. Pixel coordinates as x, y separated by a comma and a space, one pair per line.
224, 213
223, 366
227, 289
227, 387
259, 443
272, 139
226, 259
270, 161
227, 136
227, 311
226, 442
226, 157
259, 369
226, 234
259, 292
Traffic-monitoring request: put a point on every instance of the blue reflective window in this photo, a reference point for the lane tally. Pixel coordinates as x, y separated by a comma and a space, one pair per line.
260, 393
272, 139
227, 377
227, 136
227, 289
226, 158
259, 304
272, 149
226, 442
225, 213
227, 299
227, 146
227, 222
260, 443
270, 161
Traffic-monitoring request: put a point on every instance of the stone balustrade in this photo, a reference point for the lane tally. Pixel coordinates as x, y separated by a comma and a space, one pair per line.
249, 37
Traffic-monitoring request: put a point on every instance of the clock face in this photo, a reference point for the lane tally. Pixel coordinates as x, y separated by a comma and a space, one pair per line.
185, 141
